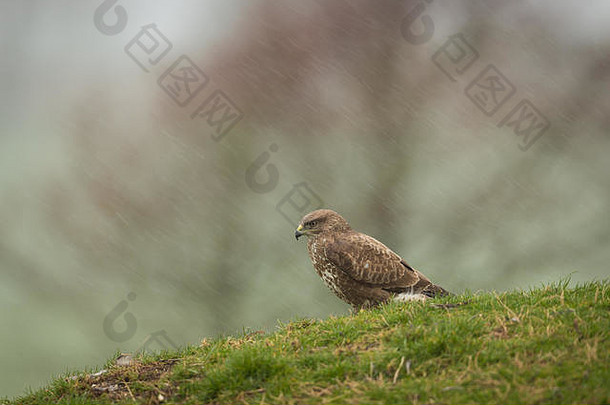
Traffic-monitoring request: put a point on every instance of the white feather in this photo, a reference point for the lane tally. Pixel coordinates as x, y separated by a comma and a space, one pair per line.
407, 296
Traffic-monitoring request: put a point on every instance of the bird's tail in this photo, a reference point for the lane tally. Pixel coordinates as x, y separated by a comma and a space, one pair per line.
433, 290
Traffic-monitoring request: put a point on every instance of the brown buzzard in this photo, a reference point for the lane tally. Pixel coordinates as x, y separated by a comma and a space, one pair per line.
358, 268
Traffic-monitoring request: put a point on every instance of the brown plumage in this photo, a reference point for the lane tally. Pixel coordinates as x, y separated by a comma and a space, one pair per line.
358, 268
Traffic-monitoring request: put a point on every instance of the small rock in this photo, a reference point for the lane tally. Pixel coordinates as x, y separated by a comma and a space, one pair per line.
125, 359
99, 373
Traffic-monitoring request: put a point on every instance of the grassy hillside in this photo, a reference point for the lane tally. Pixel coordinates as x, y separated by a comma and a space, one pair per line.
548, 345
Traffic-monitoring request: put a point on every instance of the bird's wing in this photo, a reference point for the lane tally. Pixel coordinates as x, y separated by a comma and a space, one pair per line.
367, 260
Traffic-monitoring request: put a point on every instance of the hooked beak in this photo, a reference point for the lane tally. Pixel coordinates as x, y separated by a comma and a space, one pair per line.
299, 232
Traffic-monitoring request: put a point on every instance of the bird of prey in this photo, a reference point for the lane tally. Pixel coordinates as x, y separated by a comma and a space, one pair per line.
358, 268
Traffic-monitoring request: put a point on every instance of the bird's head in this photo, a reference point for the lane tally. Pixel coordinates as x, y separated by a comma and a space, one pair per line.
320, 221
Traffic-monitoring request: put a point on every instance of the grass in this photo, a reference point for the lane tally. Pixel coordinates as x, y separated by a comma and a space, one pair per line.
546, 345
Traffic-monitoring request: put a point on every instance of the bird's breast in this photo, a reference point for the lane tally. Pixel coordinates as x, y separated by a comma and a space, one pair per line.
324, 267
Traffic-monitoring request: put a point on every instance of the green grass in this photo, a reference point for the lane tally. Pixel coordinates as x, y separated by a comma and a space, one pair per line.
547, 345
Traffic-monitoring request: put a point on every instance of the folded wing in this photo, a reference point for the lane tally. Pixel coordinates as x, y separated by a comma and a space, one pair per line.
367, 260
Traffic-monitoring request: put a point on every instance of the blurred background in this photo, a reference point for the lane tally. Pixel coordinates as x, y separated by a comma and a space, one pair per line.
149, 200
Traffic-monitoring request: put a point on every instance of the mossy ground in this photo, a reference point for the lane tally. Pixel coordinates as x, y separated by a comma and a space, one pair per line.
546, 345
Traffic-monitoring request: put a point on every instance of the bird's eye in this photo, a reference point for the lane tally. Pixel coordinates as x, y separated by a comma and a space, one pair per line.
311, 224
